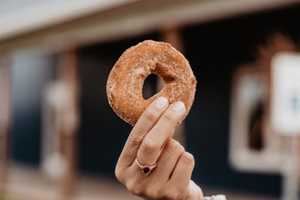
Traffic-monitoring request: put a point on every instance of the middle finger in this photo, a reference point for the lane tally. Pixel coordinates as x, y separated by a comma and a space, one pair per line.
153, 142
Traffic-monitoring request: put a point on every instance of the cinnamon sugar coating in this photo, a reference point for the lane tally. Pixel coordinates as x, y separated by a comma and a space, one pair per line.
125, 82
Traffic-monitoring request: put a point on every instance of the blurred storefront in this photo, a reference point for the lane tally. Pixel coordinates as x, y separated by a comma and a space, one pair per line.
55, 57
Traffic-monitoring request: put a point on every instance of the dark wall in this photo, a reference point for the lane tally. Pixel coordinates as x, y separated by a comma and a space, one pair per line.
214, 51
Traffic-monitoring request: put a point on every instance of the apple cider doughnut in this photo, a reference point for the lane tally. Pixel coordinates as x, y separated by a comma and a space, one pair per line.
126, 79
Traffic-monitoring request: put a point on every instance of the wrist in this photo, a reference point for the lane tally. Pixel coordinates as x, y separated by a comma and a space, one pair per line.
194, 192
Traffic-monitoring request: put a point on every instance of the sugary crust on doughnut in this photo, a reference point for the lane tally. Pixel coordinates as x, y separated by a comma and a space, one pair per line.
125, 82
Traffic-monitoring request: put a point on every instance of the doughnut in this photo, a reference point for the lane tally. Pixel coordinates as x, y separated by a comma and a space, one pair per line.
125, 81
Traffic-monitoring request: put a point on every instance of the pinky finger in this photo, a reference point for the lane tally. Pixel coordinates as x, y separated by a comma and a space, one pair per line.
183, 171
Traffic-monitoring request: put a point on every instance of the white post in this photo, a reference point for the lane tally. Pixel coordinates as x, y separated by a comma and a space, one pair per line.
4, 120
291, 171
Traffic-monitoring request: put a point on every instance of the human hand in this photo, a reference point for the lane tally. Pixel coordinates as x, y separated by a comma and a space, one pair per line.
150, 143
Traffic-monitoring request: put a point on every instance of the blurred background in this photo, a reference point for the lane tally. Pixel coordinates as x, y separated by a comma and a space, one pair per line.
59, 138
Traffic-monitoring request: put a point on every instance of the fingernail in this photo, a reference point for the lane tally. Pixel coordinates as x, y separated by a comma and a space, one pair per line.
189, 155
179, 107
161, 102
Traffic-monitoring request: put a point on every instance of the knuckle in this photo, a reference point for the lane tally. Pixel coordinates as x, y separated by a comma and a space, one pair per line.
136, 191
149, 146
188, 158
135, 141
133, 188
151, 115
169, 118
172, 144
179, 147
119, 174
175, 146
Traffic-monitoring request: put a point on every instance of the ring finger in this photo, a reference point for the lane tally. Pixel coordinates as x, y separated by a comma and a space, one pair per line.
165, 165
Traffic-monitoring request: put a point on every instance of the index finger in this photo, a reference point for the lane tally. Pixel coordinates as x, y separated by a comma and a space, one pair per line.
141, 128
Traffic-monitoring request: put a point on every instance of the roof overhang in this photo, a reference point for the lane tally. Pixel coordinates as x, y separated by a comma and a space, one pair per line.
59, 25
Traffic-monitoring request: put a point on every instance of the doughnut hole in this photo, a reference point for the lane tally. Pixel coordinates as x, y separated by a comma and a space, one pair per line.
152, 85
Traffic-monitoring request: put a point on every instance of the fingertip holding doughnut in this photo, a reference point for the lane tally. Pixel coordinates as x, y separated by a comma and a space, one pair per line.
126, 79
161, 102
178, 107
